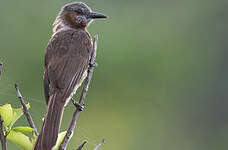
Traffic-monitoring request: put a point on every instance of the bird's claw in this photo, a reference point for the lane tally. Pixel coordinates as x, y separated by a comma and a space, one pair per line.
78, 105
93, 64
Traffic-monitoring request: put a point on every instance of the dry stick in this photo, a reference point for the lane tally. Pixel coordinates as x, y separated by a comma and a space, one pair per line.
2, 136
70, 130
81, 146
25, 110
0, 69
102, 142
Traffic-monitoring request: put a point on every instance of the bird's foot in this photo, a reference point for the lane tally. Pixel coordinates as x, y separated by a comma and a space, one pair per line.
78, 105
93, 64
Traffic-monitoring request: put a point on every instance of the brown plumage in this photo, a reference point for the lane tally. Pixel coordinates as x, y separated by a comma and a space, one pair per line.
66, 62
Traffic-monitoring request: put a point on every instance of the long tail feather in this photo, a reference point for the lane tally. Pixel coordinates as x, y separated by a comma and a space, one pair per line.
52, 121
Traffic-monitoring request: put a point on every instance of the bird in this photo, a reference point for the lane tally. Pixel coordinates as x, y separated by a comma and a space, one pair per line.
66, 63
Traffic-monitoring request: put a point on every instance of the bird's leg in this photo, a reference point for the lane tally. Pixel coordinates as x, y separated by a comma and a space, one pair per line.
93, 64
77, 105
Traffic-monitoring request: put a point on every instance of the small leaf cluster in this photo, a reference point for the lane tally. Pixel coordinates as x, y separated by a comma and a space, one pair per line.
16, 135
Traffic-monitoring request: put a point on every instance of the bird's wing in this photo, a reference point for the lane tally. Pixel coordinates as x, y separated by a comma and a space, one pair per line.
67, 59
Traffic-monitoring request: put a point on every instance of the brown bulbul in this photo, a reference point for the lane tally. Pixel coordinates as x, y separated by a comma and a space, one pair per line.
66, 63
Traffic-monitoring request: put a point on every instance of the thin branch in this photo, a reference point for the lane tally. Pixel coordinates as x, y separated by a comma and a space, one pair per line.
102, 142
72, 126
90, 71
2, 136
0, 69
81, 146
25, 110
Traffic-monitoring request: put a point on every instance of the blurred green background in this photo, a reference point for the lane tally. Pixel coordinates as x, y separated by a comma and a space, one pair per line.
162, 79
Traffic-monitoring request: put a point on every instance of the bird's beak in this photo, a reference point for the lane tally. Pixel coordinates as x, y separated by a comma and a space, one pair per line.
95, 15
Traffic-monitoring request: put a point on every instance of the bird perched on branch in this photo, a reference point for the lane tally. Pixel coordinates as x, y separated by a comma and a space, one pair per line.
66, 63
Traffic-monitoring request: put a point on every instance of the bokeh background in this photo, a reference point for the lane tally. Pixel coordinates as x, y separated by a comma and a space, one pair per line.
162, 79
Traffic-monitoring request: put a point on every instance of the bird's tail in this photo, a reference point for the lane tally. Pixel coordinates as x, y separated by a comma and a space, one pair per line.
52, 121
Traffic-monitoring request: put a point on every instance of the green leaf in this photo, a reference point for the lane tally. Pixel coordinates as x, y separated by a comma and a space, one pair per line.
20, 140
17, 113
34, 139
60, 140
23, 129
6, 113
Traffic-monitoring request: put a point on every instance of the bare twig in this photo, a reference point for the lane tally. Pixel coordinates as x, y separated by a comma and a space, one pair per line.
81, 146
2, 136
102, 142
25, 110
0, 69
72, 126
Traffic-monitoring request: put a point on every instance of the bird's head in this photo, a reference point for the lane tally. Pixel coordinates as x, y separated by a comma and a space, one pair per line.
76, 15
